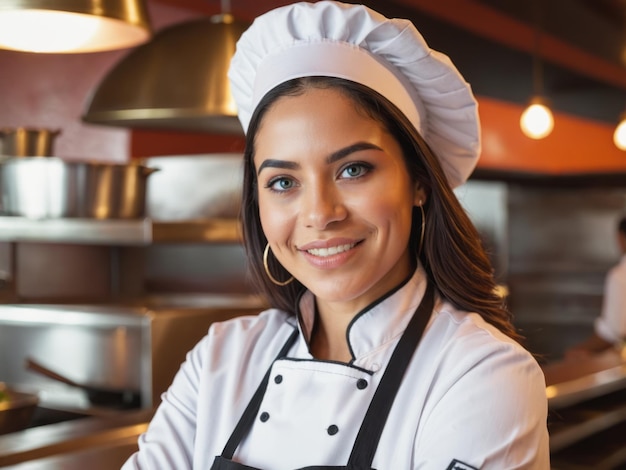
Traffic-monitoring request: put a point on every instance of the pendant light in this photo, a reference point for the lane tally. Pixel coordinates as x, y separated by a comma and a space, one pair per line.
177, 81
72, 26
537, 121
619, 136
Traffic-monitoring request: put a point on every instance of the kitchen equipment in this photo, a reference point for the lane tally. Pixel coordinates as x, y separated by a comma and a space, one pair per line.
16, 409
51, 187
191, 187
98, 395
119, 346
27, 142
167, 84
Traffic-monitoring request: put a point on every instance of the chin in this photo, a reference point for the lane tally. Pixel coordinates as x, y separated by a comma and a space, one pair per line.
337, 292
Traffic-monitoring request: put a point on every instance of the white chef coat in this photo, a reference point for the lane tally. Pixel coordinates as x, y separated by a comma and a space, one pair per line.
470, 394
611, 324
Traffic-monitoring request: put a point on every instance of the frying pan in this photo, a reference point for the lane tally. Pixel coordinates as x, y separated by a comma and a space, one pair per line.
99, 396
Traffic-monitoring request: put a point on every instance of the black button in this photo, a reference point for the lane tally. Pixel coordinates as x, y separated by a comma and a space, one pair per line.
264, 416
332, 430
278, 379
361, 384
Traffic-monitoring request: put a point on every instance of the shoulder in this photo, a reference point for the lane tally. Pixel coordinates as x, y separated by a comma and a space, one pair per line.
267, 320
466, 342
468, 326
260, 331
470, 362
239, 340
238, 351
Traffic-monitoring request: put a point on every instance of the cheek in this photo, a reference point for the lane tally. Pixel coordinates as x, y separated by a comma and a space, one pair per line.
274, 221
395, 202
396, 217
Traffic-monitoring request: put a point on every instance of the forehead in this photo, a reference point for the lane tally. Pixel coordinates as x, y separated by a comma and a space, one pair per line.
317, 113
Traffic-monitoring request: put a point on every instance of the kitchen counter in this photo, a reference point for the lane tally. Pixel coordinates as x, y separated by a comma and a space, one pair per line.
572, 381
587, 411
94, 442
109, 456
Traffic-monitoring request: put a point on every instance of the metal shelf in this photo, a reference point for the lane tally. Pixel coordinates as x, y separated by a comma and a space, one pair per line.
584, 388
118, 231
570, 426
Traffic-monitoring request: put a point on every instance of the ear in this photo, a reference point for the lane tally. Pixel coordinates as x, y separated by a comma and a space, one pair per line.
419, 195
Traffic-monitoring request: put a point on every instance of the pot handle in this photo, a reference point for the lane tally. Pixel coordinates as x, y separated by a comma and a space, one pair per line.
33, 365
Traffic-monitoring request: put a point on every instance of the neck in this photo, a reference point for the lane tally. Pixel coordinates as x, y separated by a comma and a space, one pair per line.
328, 339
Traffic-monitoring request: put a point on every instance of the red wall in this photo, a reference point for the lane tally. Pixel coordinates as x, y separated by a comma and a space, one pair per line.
574, 146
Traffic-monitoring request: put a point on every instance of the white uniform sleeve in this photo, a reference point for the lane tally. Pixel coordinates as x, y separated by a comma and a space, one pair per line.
209, 393
492, 415
168, 442
611, 324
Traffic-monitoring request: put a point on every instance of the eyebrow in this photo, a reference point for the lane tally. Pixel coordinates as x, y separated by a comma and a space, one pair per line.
332, 158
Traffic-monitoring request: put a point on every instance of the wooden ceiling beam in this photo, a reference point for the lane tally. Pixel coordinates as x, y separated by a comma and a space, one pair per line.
484, 21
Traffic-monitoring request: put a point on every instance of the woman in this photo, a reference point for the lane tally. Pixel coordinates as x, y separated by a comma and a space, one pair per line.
387, 347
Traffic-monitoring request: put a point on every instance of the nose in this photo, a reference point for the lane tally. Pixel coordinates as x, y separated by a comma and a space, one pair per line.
322, 205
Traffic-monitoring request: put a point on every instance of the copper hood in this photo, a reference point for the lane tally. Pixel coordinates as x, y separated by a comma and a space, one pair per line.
176, 81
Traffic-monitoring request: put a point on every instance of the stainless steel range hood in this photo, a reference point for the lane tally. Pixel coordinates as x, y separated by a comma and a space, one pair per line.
176, 81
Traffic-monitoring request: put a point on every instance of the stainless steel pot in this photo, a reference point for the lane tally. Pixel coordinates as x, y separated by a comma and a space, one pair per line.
25, 142
53, 188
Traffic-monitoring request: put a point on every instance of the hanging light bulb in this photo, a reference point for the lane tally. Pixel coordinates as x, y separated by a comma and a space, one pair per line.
619, 136
537, 121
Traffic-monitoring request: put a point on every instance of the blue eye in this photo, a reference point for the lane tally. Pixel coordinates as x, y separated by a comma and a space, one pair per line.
355, 170
281, 184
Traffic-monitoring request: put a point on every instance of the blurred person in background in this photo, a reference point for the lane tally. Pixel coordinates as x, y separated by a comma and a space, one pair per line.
609, 329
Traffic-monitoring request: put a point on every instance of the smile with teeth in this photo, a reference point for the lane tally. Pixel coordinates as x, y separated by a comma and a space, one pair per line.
333, 250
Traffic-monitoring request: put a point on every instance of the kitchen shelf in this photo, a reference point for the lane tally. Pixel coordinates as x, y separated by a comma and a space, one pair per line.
570, 425
602, 451
583, 388
118, 231
587, 417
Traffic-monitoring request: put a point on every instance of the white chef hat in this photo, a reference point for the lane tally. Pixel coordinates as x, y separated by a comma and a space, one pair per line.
353, 42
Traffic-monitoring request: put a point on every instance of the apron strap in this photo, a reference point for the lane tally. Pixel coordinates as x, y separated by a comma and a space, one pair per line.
247, 419
367, 439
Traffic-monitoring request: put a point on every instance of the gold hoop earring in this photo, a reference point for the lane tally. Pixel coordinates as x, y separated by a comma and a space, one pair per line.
266, 253
419, 249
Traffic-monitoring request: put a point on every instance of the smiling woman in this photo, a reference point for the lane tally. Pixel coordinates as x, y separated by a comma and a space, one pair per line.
387, 346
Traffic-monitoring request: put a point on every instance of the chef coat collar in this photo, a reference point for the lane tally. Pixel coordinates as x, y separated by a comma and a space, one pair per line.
379, 323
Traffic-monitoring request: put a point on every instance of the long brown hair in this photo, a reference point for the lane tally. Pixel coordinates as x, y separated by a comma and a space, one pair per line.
452, 253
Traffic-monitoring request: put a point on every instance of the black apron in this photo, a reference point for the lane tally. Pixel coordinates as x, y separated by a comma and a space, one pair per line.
372, 427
